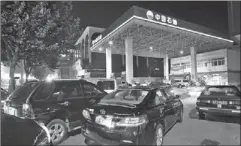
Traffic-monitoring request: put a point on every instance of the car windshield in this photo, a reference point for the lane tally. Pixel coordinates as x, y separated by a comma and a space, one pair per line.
125, 96
23, 91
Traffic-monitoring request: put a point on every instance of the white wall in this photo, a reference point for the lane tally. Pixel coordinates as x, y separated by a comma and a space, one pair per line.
234, 59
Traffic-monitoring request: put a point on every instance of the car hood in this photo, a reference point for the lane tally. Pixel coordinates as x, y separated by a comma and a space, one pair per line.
13, 127
116, 109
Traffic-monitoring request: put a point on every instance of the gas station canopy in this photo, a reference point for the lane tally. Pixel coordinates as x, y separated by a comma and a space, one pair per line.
156, 32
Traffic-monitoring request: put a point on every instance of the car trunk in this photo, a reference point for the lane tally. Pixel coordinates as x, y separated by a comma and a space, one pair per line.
112, 114
226, 101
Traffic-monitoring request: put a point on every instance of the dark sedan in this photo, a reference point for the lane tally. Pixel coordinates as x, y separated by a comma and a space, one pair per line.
220, 100
134, 116
17, 131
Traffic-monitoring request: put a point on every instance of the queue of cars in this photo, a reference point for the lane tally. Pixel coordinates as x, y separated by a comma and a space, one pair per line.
58, 105
128, 115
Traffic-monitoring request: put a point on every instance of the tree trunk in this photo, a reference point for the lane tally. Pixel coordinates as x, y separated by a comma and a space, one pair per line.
12, 82
27, 75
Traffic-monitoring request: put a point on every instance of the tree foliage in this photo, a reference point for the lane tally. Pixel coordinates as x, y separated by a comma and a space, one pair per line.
41, 72
37, 32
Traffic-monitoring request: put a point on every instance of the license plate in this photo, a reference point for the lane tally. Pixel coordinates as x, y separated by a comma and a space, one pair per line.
219, 105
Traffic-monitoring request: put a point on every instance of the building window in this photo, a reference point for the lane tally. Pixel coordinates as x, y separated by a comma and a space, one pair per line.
221, 61
218, 61
214, 62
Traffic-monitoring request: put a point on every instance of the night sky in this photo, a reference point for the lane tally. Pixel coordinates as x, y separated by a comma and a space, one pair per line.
102, 14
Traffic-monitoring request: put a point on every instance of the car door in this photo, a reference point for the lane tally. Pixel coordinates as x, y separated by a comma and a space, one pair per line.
170, 105
92, 94
73, 100
176, 103
166, 109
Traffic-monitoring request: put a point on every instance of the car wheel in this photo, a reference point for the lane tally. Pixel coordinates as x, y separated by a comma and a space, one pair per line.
201, 115
89, 142
159, 134
58, 131
180, 116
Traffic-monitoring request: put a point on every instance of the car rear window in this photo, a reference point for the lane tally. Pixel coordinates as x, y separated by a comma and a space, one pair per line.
126, 96
185, 80
22, 93
106, 85
221, 91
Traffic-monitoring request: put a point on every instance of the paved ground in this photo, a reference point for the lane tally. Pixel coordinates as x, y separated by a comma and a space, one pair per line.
213, 131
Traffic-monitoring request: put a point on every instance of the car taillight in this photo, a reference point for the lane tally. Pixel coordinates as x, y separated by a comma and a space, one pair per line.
234, 102
27, 111
132, 121
198, 100
86, 114
206, 101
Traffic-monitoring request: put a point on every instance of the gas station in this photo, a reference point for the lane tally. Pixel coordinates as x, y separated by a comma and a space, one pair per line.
143, 32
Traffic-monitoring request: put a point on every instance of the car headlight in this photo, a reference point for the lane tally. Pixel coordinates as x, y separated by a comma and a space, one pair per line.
86, 114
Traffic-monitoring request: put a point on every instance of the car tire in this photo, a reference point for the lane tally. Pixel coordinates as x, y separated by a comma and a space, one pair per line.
180, 116
201, 115
58, 131
88, 142
159, 134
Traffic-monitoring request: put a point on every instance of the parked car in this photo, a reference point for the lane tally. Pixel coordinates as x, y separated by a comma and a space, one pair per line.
58, 104
220, 100
135, 116
180, 83
4, 95
17, 131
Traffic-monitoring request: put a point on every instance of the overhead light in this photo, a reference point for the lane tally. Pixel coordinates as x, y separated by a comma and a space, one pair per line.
100, 49
110, 42
151, 48
181, 52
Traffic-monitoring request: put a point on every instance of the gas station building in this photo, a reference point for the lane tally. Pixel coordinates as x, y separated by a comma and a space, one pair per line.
140, 35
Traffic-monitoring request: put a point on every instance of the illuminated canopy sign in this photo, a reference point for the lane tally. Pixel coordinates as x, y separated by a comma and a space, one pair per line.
162, 18
97, 39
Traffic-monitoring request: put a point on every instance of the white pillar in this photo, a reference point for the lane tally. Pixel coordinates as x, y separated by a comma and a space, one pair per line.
193, 63
108, 63
129, 58
166, 67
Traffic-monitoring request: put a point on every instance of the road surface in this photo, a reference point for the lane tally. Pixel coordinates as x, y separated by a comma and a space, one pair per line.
192, 131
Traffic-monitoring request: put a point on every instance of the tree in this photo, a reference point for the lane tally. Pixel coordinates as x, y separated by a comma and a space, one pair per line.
33, 30
41, 72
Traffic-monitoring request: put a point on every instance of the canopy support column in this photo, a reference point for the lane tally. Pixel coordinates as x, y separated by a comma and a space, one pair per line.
166, 67
129, 58
193, 63
108, 62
